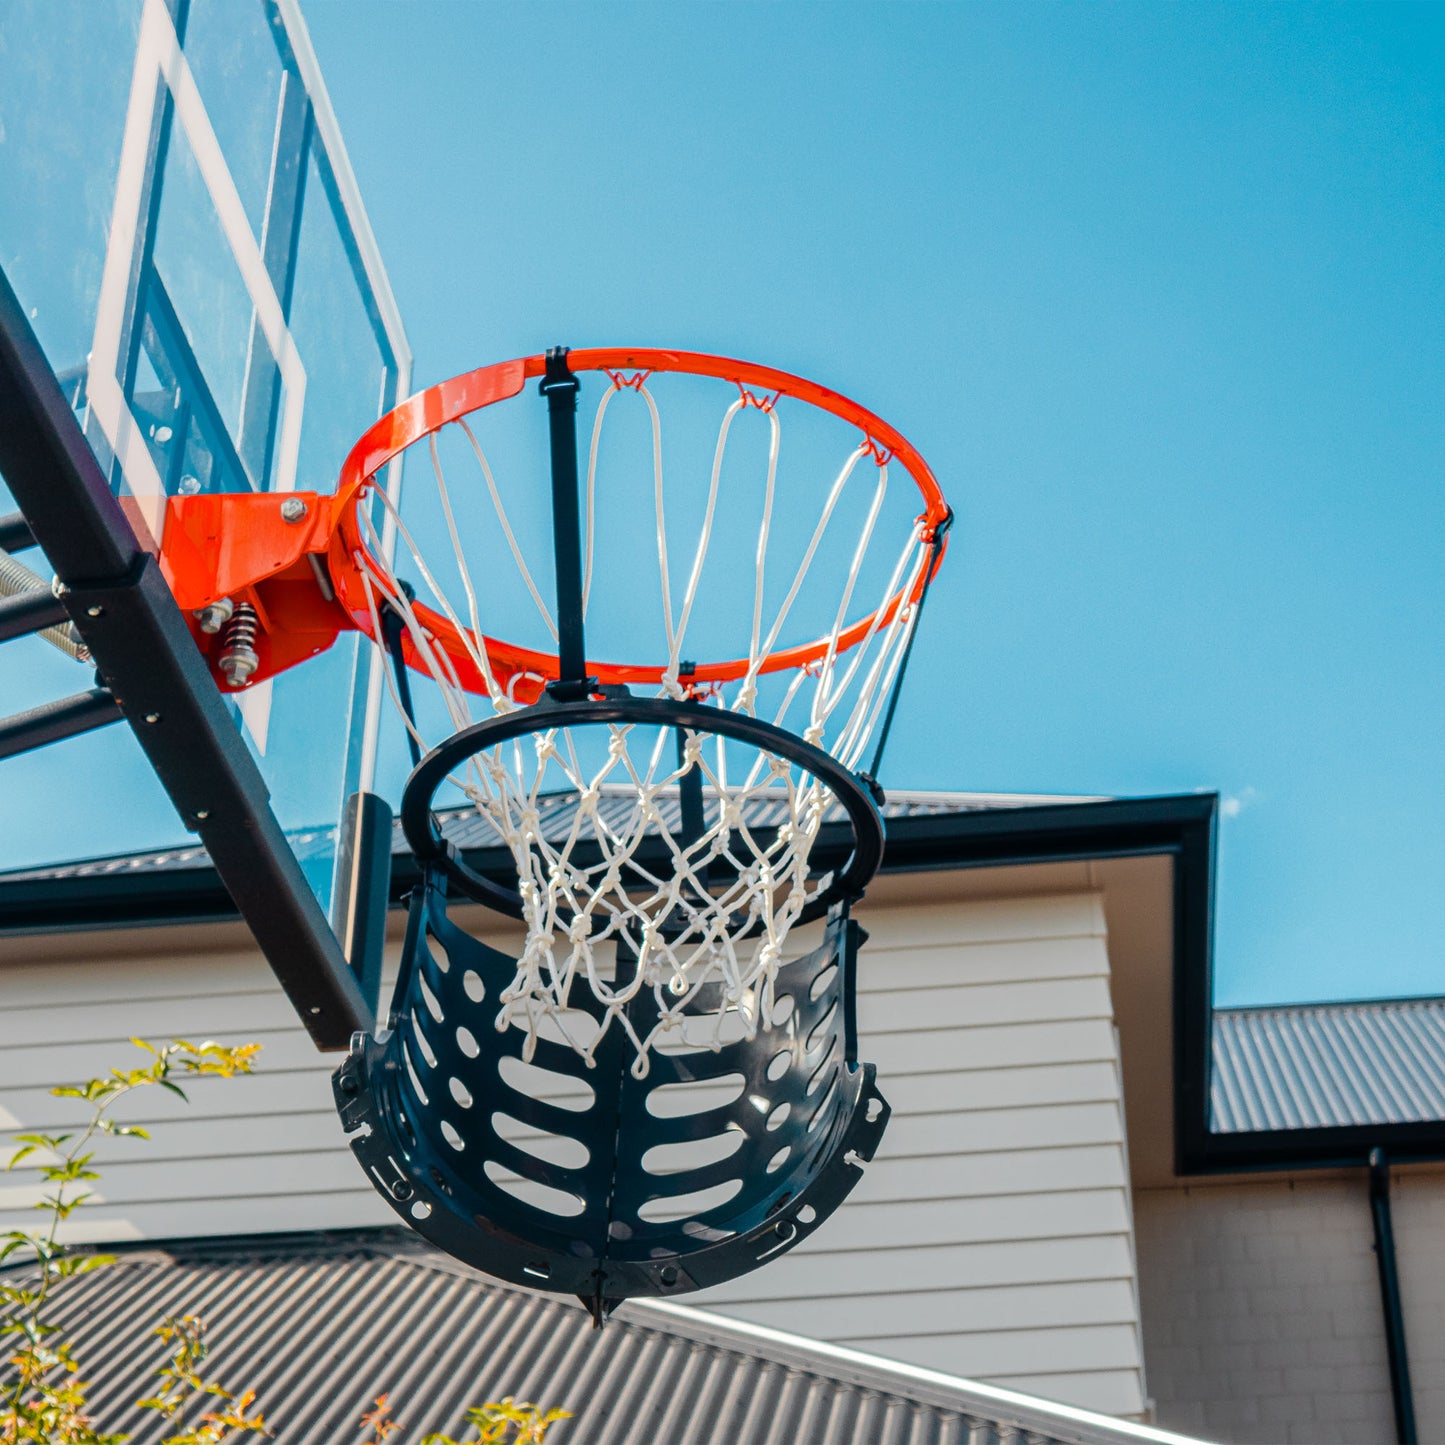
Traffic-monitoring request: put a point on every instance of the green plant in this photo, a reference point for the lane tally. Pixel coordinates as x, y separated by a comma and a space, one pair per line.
495, 1424
182, 1381
500, 1422
43, 1400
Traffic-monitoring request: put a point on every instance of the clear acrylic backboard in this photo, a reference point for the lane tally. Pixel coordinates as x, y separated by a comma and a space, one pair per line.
180, 222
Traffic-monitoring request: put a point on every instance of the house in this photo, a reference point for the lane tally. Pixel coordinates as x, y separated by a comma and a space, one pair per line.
1094, 1190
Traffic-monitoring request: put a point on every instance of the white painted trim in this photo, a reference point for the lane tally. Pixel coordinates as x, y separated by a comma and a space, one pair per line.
107, 404
254, 705
329, 131
159, 57
335, 147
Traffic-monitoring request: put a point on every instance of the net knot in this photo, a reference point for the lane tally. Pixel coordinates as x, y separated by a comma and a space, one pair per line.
880, 454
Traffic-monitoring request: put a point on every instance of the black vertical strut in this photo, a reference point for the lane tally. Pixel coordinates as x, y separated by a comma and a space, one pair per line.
393, 626
560, 388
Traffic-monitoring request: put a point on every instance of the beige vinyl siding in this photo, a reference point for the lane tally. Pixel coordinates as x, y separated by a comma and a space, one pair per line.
248, 1155
992, 1237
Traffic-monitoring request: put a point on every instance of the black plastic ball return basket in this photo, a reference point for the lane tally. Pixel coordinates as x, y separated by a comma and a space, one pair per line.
588, 1179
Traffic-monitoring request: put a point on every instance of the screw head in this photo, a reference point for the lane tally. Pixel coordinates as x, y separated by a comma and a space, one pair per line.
202, 814
94, 611
401, 1190
153, 717
293, 509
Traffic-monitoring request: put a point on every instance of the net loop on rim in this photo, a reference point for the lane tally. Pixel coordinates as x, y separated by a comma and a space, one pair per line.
764, 404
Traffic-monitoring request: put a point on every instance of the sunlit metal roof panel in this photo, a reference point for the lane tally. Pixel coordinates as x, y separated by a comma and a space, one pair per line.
1328, 1066
319, 1325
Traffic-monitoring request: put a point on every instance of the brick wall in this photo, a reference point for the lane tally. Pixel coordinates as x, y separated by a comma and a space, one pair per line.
1418, 1206
1261, 1309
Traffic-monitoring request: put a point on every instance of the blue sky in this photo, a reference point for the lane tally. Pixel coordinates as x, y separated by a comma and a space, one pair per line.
1156, 290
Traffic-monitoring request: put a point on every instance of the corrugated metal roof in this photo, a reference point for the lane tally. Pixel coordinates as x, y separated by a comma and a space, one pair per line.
318, 1325
1327, 1065
465, 827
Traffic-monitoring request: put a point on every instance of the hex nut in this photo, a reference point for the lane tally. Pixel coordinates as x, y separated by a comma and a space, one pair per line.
215, 615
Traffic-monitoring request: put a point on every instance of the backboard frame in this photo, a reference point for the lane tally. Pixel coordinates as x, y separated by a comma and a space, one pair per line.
113, 590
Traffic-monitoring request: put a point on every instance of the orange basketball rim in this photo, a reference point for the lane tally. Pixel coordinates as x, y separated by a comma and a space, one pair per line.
301, 559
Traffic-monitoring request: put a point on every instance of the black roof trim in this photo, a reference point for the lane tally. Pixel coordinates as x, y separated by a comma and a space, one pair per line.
974, 838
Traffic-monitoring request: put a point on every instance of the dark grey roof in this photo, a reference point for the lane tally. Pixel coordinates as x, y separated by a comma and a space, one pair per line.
1328, 1065
318, 1325
467, 829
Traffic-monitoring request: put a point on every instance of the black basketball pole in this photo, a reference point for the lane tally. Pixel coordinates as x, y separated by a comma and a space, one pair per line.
560, 388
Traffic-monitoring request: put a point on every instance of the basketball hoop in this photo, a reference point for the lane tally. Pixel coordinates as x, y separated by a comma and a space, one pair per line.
693, 793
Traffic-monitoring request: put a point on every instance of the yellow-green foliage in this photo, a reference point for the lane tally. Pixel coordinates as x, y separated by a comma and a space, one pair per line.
43, 1400
42, 1394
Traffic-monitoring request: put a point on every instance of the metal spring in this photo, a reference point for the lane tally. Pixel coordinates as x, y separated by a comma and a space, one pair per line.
239, 659
16, 580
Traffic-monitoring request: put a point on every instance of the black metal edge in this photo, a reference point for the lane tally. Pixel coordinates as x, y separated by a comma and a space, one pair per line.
23, 613
15, 533
363, 877
52, 722
124, 612
1341, 1146
1198, 1148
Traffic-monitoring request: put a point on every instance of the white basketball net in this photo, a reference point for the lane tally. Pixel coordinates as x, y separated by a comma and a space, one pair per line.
708, 930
